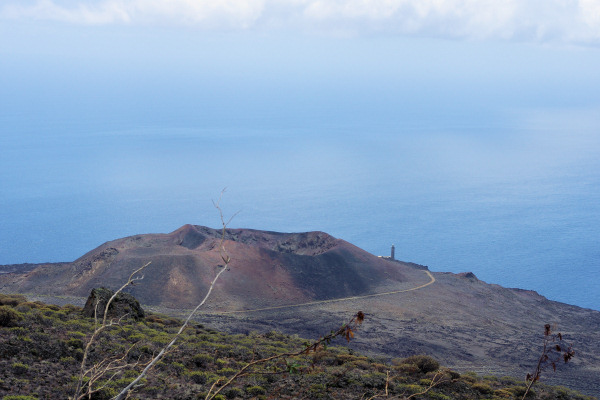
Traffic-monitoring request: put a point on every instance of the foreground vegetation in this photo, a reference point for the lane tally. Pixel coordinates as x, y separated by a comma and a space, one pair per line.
41, 347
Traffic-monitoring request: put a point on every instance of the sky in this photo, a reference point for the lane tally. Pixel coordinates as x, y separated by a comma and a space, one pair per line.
562, 21
512, 52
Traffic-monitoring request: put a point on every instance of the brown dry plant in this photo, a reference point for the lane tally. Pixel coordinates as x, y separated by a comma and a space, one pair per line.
554, 352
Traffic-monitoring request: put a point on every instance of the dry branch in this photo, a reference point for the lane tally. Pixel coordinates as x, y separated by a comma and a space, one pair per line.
226, 259
99, 370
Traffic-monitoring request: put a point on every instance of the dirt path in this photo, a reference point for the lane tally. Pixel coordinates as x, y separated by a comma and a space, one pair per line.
312, 303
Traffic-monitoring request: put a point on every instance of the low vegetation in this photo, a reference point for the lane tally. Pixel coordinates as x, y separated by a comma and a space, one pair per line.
42, 345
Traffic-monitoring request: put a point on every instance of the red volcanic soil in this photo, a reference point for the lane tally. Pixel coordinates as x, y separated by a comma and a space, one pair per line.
266, 269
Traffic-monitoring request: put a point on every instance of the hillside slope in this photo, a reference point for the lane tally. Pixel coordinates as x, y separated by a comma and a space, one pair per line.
41, 348
267, 268
280, 281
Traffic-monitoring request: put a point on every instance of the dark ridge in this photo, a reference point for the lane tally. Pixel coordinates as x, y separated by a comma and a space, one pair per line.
192, 238
23, 268
87, 263
305, 243
309, 243
468, 275
413, 265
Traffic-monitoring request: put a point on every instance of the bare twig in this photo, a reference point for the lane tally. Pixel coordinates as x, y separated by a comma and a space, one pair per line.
226, 259
97, 330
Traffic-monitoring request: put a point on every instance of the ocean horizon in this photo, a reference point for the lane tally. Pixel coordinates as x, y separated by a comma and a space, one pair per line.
517, 204
468, 153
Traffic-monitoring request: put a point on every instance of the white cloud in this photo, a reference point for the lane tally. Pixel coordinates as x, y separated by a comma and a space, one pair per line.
221, 14
525, 20
453, 18
590, 14
105, 12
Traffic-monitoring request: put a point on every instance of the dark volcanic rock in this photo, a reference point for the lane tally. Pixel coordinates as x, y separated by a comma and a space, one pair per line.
468, 275
123, 304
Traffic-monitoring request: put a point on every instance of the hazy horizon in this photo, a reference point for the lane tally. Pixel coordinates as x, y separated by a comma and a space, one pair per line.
466, 133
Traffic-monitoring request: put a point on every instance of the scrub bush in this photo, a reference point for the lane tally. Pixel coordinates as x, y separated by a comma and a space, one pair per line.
11, 299
424, 363
19, 368
8, 316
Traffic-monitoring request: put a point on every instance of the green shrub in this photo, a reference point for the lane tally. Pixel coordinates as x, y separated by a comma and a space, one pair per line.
130, 373
145, 349
18, 397
503, 394
407, 368
153, 318
226, 371
255, 390
438, 396
75, 343
454, 374
510, 380
136, 337
318, 391
375, 380
232, 393
152, 390
202, 396
221, 362
178, 367
67, 360
410, 388
202, 360
468, 378
19, 368
127, 380
324, 358
71, 308
80, 324
483, 388
161, 339
198, 377
362, 364
106, 393
563, 393
23, 308
519, 391
491, 378
8, 316
11, 299
345, 358
19, 330
423, 362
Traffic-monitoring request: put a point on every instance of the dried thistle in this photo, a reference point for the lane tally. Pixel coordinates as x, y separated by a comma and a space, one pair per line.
554, 351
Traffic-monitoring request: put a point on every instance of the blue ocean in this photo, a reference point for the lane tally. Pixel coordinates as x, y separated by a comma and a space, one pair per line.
513, 198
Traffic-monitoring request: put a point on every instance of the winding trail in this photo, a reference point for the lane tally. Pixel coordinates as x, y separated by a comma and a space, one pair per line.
312, 303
